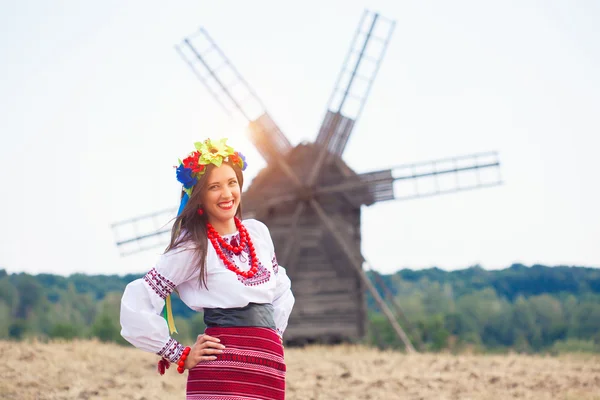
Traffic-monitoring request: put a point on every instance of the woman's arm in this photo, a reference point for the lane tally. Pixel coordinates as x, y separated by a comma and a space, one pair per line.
283, 301
143, 300
284, 298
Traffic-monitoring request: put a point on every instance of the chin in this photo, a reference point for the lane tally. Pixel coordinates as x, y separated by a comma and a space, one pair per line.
229, 215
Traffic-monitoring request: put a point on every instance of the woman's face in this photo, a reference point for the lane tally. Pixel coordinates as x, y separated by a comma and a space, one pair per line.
221, 198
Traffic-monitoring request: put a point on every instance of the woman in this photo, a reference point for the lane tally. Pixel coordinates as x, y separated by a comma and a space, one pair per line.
228, 270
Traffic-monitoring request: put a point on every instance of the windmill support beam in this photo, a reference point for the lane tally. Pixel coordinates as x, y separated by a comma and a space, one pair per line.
392, 300
357, 265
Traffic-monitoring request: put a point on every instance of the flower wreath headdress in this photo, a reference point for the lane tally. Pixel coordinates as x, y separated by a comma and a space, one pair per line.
188, 172
194, 166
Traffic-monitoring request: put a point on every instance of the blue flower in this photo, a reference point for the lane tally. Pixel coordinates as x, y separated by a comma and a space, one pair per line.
243, 159
184, 175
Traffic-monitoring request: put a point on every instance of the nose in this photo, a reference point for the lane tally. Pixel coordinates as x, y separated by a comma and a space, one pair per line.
226, 193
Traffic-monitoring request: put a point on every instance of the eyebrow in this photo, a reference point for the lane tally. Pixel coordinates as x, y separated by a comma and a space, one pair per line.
228, 180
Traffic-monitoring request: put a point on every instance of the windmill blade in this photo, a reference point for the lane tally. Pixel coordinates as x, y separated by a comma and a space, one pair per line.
153, 230
144, 232
356, 261
268, 138
425, 179
233, 93
354, 81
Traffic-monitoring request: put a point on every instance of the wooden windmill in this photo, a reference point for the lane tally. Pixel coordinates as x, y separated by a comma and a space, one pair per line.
314, 203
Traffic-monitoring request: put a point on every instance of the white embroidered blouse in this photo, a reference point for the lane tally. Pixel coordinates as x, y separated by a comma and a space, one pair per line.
143, 299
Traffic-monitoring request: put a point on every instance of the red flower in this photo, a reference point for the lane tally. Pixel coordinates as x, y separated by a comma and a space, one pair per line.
191, 162
234, 158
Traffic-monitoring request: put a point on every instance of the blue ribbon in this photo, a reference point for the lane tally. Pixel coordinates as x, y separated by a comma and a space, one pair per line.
184, 201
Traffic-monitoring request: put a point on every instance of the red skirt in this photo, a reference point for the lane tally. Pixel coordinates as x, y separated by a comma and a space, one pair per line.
251, 367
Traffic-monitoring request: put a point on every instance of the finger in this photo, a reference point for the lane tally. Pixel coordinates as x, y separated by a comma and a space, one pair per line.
208, 358
207, 338
212, 351
214, 345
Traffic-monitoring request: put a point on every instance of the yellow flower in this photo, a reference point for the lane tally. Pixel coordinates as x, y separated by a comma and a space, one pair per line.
213, 151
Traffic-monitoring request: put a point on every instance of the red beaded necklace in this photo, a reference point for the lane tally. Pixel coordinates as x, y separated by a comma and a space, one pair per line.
218, 242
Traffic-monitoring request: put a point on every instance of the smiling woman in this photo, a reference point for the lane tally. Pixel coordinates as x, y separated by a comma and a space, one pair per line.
221, 199
240, 355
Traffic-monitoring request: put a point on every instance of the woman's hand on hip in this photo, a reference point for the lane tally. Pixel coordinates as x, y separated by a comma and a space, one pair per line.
206, 348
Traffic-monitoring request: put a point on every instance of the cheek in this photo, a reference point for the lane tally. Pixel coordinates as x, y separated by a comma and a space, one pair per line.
210, 197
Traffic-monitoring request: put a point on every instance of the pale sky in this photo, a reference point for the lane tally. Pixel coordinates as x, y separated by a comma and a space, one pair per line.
96, 106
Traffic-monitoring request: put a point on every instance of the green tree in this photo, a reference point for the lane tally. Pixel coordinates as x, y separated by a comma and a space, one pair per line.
527, 331
435, 332
30, 294
549, 317
65, 331
5, 320
586, 321
381, 332
9, 294
105, 328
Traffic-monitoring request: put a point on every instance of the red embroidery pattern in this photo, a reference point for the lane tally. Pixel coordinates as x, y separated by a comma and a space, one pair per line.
172, 350
252, 360
161, 285
262, 275
252, 367
234, 240
275, 265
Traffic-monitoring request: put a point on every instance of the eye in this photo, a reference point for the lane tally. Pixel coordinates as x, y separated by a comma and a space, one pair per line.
233, 182
213, 187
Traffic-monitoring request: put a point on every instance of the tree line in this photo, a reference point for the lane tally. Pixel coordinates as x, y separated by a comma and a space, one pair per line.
527, 309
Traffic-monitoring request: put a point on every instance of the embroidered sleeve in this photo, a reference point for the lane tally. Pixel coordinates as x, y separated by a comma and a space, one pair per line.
158, 283
172, 269
172, 350
143, 300
141, 322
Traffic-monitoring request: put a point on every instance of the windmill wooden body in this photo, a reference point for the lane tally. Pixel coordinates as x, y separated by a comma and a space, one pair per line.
314, 202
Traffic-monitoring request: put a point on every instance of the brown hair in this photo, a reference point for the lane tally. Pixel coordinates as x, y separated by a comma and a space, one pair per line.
190, 227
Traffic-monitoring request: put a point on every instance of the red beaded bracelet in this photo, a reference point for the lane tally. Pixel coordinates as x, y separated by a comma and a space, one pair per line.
181, 361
